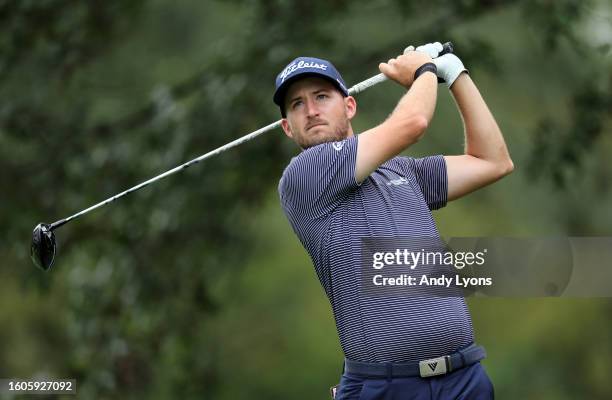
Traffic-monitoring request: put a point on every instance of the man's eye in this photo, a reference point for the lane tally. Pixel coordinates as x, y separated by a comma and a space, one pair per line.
296, 103
321, 96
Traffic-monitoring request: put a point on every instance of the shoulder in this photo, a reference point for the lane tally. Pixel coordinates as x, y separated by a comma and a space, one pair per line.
310, 161
399, 163
427, 162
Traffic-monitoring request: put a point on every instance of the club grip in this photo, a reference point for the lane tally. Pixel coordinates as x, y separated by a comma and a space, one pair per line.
447, 48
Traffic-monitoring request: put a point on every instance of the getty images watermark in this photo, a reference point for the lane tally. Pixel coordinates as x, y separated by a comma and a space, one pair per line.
413, 259
499, 266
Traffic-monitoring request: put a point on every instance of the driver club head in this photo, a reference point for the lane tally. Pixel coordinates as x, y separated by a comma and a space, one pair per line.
43, 246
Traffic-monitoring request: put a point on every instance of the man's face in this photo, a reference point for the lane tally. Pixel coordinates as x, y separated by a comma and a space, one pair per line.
317, 113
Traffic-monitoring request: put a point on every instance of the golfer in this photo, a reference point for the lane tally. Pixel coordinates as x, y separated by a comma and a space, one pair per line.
343, 187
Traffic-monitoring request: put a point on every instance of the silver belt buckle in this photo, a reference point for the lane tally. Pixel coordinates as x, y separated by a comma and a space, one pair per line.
435, 366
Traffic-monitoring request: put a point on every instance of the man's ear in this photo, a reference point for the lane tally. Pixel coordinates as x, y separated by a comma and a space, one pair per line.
286, 127
351, 106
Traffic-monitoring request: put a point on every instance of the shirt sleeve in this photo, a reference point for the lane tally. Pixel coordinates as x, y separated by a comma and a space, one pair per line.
430, 173
319, 179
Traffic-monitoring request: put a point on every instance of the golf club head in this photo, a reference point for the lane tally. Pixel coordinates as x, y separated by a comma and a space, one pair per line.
43, 246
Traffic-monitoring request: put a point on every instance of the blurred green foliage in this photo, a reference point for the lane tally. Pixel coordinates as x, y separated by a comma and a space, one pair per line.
196, 287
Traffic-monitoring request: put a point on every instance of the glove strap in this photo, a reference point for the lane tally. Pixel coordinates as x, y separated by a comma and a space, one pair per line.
427, 67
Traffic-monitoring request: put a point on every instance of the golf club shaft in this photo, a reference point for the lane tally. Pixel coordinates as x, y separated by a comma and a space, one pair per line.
358, 88
181, 167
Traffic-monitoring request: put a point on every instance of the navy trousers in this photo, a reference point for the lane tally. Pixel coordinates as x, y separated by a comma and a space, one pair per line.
469, 383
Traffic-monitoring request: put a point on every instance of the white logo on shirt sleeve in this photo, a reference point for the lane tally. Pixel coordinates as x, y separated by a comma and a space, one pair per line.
397, 182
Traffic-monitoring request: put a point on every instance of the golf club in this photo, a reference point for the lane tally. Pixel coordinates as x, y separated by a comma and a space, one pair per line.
44, 245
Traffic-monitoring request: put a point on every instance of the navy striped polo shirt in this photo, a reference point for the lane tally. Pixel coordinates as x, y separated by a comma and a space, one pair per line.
331, 213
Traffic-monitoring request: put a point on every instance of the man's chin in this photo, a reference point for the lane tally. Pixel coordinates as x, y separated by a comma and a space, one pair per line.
323, 138
317, 142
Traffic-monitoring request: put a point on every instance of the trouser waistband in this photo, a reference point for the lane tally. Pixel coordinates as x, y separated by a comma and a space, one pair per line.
424, 368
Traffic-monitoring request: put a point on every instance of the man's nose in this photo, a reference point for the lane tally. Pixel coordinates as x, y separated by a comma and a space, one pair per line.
311, 108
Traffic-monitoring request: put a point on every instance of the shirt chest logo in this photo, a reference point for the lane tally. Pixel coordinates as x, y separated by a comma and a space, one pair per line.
397, 182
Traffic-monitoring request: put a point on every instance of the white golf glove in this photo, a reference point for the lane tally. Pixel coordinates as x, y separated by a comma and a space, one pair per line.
431, 49
449, 68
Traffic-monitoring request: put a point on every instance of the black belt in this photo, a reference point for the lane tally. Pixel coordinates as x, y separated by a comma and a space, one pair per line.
424, 368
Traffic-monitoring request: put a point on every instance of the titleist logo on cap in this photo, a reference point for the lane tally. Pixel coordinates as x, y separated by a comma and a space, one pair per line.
300, 65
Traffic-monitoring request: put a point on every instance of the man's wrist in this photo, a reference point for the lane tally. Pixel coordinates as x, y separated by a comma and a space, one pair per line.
427, 67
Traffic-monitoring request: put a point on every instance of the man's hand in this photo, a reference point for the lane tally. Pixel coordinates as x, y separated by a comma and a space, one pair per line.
432, 49
449, 68
402, 68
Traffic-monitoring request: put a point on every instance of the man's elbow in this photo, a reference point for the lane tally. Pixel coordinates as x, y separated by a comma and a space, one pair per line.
407, 130
505, 167
418, 126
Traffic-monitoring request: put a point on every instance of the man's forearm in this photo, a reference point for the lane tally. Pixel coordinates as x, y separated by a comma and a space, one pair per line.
404, 127
420, 100
483, 138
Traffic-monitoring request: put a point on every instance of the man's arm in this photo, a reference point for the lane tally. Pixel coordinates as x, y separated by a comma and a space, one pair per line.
486, 157
408, 121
